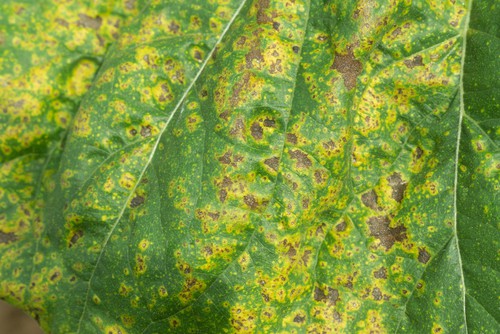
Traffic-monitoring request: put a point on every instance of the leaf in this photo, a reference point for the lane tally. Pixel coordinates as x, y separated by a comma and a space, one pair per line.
261, 166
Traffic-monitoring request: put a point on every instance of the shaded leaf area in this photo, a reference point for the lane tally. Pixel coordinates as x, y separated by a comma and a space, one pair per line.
263, 166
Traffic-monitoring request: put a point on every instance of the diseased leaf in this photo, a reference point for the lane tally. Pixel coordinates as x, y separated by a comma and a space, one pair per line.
252, 166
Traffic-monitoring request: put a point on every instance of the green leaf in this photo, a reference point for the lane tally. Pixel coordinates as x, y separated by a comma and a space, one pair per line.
251, 166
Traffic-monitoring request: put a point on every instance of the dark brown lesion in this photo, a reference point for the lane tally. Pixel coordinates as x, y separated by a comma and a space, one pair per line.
380, 273
348, 66
75, 237
136, 201
388, 236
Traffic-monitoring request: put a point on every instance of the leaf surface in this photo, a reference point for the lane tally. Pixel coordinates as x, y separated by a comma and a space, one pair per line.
259, 166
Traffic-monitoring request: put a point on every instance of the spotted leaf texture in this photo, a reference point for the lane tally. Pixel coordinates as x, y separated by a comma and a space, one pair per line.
251, 166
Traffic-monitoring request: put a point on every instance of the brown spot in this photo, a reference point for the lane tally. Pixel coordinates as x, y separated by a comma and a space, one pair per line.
133, 132
76, 236
256, 131
416, 61
380, 273
348, 66
369, 199
380, 229
226, 158
214, 215
146, 131
302, 160
238, 87
397, 32
62, 22
291, 252
377, 294
291, 138
299, 319
331, 297
197, 55
318, 176
418, 152
89, 22
262, 17
208, 250
222, 195
136, 201
276, 25
254, 54
55, 276
295, 49
398, 186
174, 27
423, 255
238, 128
7, 237
269, 123
250, 201
273, 163
340, 227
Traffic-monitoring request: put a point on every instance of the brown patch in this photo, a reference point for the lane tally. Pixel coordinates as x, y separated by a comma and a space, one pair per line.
348, 66
299, 319
238, 128
136, 201
423, 255
222, 195
76, 236
302, 160
398, 186
250, 201
214, 215
89, 22
380, 229
262, 17
369, 199
318, 176
291, 138
340, 227
273, 163
331, 297
238, 87
380, 273
256, 131
416, 61
146, 131
377, 294
7, 237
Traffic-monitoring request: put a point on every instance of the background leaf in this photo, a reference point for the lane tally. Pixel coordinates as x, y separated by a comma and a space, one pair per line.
264, 166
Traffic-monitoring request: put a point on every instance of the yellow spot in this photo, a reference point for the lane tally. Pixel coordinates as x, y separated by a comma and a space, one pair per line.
96, 299
114, 330
162, 291
174, 322
243, 320
140, 264
124, 289
127, 320
127, 181
144, 244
